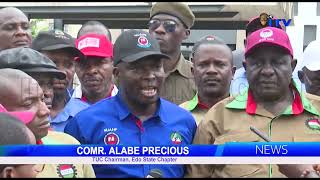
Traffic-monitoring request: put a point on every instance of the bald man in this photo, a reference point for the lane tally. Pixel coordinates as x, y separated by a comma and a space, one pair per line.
14, 29
26, 95
94, 27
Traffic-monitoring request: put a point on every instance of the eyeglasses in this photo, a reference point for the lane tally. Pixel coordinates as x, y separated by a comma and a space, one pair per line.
169, 25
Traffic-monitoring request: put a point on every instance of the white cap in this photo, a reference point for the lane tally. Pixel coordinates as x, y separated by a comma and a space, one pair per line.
311, 56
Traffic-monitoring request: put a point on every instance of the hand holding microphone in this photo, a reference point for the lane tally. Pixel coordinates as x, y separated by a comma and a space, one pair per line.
291, 170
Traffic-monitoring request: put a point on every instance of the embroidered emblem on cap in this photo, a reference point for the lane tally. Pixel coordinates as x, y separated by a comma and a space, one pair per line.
210, 38
67, 171
313, 123
266, 33
176, 138
60, 34
143, 42
111, 139
89, 42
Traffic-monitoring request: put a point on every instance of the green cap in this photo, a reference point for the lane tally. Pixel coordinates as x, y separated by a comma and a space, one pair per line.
177, 9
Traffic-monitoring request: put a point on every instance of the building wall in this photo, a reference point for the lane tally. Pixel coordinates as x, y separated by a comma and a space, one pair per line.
307, 15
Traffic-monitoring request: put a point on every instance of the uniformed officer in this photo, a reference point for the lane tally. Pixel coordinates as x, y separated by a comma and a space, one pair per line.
213, 70
25, 94
136, 115
271, 104
170, 24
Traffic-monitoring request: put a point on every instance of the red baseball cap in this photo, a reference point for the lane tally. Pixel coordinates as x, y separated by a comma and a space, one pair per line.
24, 116
95, 45
271, 36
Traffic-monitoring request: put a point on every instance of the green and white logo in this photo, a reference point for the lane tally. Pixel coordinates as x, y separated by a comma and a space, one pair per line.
313, 123
67, 171
176, 138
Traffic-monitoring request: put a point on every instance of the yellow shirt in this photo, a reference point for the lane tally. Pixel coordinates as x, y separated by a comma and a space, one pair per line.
230, 120
64, 170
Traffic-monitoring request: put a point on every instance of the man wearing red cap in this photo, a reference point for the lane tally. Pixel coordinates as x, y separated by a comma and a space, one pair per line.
271, 103
240, 82
94, 70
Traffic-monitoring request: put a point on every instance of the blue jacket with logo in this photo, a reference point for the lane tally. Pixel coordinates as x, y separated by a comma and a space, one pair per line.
110, 122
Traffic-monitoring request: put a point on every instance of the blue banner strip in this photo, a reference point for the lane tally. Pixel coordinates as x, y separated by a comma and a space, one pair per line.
273, 149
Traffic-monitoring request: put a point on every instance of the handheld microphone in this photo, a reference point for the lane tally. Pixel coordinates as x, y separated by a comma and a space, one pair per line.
311, 174
154, 173
260, 134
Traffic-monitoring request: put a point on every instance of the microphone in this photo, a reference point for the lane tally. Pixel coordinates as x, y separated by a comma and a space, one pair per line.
260, 134
283, 168
154, 173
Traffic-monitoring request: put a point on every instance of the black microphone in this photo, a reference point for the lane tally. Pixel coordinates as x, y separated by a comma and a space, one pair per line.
154, 173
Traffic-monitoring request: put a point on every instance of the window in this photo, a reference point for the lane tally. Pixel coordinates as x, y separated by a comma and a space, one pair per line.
295, 8
310, 34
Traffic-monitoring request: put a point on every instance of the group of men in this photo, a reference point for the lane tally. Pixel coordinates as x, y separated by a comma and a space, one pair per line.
130, 92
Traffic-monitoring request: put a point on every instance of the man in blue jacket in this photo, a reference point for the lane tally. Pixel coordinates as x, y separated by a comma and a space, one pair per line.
136, 115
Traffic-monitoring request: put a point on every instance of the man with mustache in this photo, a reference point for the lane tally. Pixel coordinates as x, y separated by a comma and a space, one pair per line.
37, 65
136, 115
240, 82
272, 103
212, 70
170, 24
14, 29
26, 95
60, 48
94, 69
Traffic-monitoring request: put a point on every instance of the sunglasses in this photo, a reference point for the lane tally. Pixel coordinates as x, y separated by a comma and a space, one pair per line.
169, 25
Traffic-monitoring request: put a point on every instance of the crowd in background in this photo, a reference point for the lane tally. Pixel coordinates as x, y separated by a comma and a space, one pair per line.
142, 91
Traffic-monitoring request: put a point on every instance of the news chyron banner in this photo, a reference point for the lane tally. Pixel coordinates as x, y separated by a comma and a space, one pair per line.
229, 153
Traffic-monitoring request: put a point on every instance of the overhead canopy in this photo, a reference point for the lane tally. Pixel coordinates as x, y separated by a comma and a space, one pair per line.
217, 15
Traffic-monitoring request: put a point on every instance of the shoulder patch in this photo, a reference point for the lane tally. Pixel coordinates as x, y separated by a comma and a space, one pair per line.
313, 123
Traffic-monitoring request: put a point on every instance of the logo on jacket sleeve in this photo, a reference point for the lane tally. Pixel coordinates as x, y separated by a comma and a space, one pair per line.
111, 139
67, 171
313, 123
176, 138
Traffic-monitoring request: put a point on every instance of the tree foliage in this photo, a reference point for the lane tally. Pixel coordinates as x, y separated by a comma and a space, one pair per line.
38, 25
